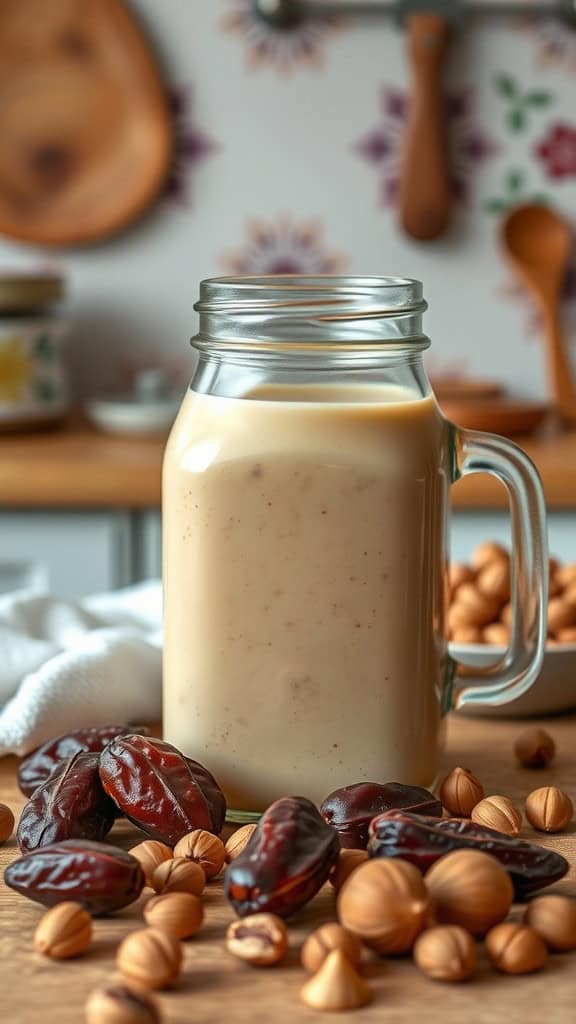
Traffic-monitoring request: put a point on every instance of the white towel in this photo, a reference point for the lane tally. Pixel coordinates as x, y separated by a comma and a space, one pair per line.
67, 664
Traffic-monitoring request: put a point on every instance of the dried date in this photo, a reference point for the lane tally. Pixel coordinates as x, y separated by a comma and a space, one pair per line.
422, 841
71, 805
101, 878
164, 793
286, 861
38, 766
351, 809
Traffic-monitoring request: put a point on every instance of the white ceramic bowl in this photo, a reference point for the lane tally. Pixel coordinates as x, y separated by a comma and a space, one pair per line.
553, 692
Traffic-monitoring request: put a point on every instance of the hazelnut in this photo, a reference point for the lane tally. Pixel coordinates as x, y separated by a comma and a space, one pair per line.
566, 574
117, 1004
179, 875
496, 633
466, 635
470, 888
499, 813
561, 614
179, 913
150, 854
459, 573
554, 919
325, 940
204, 849
64, 931
535, 748
446, 953
6, 823
515, 949
336, 986
494, 581
260, 939
548, 809
348, 861
488, 552
460, 792
386, 903
480, 609
569, 595
238, 841
459, 617
566, 636
506, 614
150, 957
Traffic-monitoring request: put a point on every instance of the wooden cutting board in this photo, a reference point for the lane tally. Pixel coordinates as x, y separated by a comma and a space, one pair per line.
215, 988
85, 130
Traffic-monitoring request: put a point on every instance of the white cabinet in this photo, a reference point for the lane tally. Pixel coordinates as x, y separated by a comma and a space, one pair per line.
70, 553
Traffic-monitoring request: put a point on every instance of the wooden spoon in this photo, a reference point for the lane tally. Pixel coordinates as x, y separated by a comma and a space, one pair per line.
538, 243
424, 194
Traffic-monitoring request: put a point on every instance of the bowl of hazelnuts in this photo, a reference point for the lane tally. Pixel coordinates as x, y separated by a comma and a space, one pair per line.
478, 620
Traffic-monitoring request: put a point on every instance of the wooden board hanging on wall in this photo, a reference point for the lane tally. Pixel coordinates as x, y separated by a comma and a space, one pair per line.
84, 125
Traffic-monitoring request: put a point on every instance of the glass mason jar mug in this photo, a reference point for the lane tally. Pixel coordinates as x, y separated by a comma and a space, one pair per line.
305, 508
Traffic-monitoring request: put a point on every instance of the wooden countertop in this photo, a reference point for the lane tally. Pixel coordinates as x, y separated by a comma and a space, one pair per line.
77, 467
214, 987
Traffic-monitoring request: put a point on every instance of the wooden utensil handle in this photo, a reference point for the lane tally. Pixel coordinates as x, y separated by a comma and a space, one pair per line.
559, 369
425, 180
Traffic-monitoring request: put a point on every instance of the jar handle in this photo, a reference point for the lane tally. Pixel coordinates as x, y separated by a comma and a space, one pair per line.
514, 673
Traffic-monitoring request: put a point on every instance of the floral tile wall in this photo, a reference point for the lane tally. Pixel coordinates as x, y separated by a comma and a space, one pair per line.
287, 158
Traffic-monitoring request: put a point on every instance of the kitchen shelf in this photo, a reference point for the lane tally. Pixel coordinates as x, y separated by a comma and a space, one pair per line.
78, 468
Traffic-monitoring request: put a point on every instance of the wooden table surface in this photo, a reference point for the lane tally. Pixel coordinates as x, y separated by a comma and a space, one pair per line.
76, 467
214, 988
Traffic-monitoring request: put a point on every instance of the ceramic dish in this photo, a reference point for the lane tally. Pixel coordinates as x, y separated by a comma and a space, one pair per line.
553, 692
122, 415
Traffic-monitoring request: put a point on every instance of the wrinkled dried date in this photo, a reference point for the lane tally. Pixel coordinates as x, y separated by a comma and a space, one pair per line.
71, 805
351, 809
101, 878
38, 766
422, 841
286, 861
164, 793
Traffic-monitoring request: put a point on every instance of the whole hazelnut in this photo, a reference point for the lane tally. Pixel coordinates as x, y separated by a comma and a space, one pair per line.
348, 861
150, 854
204, 849
515, 949
481, 609
6, 823
238, 841
489, 551
493, 580
179, 875
150, 957
458, 573
554, 919
560, 614
118, 1004
566, 574
496, 633
470, 888
446, 953
459, 617
569, 595
548, 809
260, 939
386, 903
499, 813
336, 986
535, 748
460, 792
64, 931
325, 940
180, 913
506, 614
566, 636
466, 635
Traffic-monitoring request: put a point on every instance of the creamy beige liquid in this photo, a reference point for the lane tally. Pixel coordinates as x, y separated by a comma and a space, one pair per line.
303, 556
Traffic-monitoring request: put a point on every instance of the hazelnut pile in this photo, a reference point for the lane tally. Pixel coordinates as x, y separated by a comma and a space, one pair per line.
384, 907
478, 599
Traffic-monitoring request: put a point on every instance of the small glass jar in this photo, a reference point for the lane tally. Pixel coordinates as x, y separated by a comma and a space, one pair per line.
305, 510
34, 386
